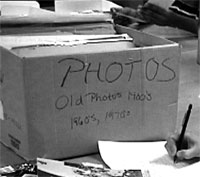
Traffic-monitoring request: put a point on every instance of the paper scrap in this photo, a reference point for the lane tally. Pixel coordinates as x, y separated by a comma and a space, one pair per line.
1, 109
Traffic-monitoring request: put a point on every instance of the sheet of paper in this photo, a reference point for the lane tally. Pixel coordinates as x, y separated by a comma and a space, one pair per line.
20, 3
17, 8
162, 3
70, 6
144, 155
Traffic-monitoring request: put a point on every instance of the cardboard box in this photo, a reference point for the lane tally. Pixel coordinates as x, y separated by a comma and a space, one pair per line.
198, 52
59, 106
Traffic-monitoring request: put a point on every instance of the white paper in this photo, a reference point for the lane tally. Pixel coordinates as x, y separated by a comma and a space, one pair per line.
162, 3
69, 6
1, 108
30, 3
17, 8
145, 155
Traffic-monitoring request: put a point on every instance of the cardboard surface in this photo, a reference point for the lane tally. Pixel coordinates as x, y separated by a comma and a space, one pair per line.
198, 54
60, 106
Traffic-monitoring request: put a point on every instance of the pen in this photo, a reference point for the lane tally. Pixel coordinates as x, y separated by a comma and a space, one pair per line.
71, 164
115, 13
184, 126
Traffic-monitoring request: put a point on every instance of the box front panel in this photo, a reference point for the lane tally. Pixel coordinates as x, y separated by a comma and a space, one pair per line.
73, 101
114, 96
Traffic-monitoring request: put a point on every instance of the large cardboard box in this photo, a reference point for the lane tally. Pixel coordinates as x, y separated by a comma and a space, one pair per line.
60, 105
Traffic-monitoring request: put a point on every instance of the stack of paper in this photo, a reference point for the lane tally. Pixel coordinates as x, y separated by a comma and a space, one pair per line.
44, 45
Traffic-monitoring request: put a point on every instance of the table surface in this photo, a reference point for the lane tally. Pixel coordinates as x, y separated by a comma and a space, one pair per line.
189, 92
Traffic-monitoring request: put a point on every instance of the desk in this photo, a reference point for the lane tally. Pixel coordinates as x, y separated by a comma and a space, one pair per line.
188, 93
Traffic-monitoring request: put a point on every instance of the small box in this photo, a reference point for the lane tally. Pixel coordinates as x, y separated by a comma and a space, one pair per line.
60, 105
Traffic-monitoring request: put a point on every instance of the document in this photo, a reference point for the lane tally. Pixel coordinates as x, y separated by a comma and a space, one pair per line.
17, 8
163, 4
83, 6
151, 156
